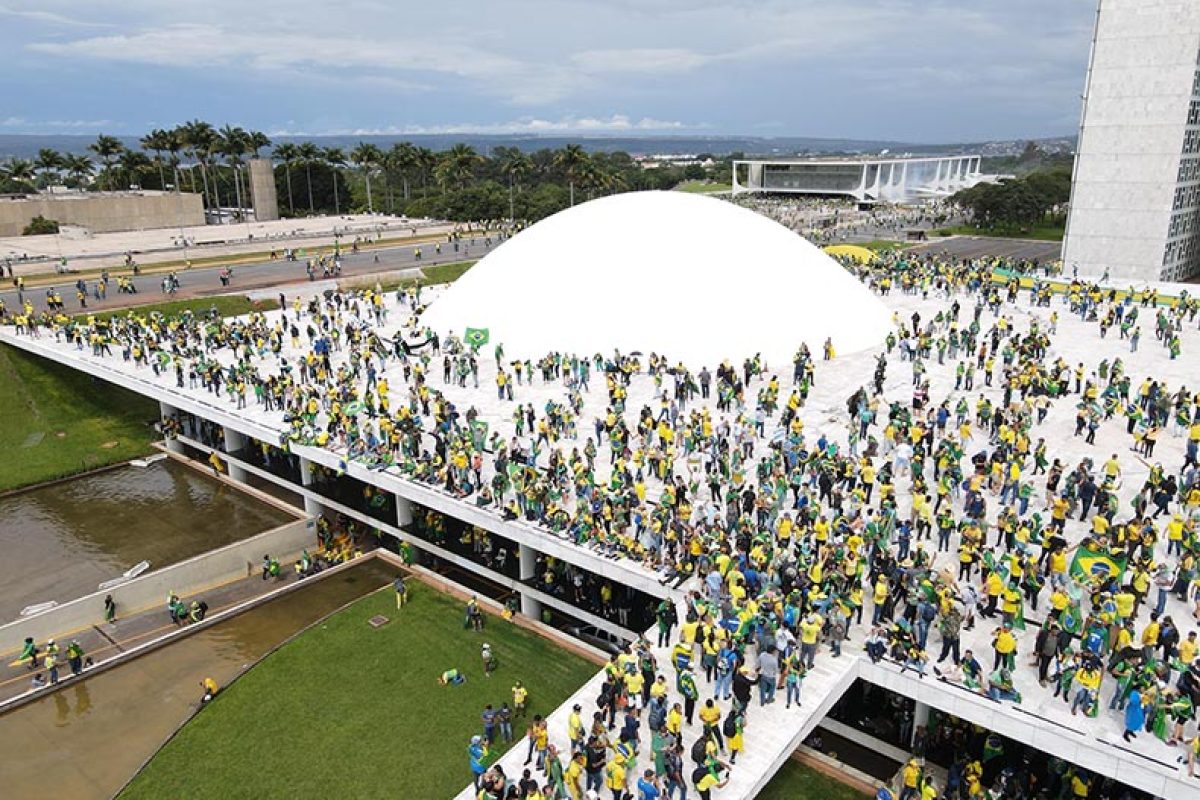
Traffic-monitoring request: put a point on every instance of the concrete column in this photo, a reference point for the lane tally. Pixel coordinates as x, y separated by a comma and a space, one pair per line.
235, 441
306, 471
920, 717
404, 513
312, 507
165, 410
530, 606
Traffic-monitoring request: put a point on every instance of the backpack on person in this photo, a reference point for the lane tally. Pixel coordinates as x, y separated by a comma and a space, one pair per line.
699, 751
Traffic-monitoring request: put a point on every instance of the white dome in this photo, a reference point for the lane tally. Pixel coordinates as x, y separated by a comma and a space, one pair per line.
694, 278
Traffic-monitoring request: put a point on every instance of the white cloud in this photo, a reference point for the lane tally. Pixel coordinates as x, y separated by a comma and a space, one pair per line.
616, 123
23, 124
189, 45
656, 60
51, 18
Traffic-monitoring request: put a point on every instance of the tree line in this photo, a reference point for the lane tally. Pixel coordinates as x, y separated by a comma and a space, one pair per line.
458, 183
1018, 203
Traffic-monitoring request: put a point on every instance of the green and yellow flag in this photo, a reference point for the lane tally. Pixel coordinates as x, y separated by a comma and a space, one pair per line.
1091, 562
477, 337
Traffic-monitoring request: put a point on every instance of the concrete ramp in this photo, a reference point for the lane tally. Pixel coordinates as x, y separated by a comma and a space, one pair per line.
772, 733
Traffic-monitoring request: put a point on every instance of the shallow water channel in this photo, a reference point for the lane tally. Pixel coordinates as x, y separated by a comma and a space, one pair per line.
87, 740
62, 540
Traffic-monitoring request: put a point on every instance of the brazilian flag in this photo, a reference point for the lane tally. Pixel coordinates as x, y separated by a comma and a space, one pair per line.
1090, 562
477, 337
479, 432
1071, 619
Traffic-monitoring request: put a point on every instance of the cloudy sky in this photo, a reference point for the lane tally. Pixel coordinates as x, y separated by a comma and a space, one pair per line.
913, 70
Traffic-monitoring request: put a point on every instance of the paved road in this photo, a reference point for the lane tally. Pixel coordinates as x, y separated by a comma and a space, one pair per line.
205, 281
977, 246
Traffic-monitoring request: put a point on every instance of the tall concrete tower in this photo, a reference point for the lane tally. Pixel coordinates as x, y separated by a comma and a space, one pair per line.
1135, 198
262, 189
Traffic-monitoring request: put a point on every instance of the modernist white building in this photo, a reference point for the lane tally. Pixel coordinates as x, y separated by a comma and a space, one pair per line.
892, 180
1135, 199
748, 284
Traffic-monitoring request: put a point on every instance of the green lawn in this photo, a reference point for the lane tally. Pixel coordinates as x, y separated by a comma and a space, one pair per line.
347, 710
883, 245
703, 187
446, 273
1046, 232
794, 780
227, 305
59, 421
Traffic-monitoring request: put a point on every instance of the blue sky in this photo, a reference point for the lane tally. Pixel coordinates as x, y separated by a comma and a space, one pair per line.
923, 71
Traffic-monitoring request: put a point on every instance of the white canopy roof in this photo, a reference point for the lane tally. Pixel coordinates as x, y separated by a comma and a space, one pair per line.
694, 278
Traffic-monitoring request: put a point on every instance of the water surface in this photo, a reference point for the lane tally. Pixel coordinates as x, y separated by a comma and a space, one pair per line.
61, 541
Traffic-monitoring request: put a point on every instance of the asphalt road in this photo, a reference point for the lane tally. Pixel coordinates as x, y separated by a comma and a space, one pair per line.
205, 281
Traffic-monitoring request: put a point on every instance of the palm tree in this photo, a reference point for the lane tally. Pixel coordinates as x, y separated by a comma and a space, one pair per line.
132, 164
173, 143
107, 149
570, 160
367, 156
20, 173
404, 157
78, 167
156, 141
461, 160
286, 152
426, 160
233, 143
515, 165
49, 162
257, 140
199, 140
336, 159
308, 153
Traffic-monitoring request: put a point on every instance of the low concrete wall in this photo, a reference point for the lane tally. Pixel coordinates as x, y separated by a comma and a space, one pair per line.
148, 591
104, 213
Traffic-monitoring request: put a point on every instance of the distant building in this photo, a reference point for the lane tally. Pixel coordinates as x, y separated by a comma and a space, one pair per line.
1135, 197
868, 180
103, 212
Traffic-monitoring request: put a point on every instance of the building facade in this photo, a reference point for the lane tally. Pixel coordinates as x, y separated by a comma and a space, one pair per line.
104, 212
1135, 198
892, 180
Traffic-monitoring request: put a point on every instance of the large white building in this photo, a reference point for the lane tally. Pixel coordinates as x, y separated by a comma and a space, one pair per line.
1135, 200
868, 180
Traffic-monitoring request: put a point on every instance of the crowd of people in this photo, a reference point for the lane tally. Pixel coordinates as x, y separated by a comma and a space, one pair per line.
828, 221
934, 500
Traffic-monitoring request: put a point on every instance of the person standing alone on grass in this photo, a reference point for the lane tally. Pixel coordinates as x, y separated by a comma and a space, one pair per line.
519, 694
401, 592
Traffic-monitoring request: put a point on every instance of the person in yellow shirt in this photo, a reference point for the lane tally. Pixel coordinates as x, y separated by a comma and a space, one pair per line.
910, 777
1005, 645
709, 781
810, 631
573, 777
575, 728
614, 777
